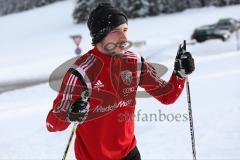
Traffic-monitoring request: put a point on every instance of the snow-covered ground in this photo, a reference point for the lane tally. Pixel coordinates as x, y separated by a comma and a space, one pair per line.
34, 43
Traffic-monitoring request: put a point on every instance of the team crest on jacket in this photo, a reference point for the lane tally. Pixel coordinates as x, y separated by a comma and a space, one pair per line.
126, 77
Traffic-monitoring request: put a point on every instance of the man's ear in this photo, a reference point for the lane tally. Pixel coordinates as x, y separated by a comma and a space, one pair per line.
102, 45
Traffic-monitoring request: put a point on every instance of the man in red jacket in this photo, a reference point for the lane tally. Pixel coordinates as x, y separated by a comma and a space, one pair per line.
101, 86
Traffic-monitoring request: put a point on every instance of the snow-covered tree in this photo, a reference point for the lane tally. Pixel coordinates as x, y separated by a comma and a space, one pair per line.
219, 2
142, 8
234, 2
155, 7
13, 6
133, 8
181, 5
82, 10
168, 6
195, 3
84, 7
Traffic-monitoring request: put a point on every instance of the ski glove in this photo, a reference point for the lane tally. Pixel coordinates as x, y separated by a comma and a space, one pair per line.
184, 62
78, 111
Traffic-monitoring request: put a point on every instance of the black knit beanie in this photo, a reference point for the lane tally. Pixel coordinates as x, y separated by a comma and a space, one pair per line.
103, 19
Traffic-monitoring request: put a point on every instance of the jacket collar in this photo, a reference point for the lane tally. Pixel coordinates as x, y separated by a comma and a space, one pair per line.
101, 55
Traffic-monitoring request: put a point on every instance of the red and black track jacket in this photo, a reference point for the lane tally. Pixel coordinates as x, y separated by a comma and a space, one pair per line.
111, 82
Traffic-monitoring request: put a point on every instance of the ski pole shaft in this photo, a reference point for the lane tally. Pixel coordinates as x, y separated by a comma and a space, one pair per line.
191, 119
69, 141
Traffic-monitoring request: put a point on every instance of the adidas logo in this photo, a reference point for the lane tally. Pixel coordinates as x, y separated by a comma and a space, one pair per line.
98, 85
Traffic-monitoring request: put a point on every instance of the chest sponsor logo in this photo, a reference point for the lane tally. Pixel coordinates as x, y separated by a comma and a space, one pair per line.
109, 108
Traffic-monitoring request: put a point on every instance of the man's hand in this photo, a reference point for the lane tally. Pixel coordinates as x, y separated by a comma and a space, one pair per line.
184, 63
78, 111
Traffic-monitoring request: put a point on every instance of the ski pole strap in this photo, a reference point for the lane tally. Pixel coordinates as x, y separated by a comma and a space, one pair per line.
86, 89
191, 119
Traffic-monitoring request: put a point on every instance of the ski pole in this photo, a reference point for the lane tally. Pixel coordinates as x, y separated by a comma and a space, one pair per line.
190, 119
190, 109
69, 141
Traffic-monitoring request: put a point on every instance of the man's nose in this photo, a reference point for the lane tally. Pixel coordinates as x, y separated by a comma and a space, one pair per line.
123, 36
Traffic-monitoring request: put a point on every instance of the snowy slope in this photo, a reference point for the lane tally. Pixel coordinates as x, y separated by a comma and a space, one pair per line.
34, 43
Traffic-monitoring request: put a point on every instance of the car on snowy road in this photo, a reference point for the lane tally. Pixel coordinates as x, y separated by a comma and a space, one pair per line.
229, 24
207, 32
220, 30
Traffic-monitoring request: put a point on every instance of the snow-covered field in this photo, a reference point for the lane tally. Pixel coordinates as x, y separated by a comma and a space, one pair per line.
34, 43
